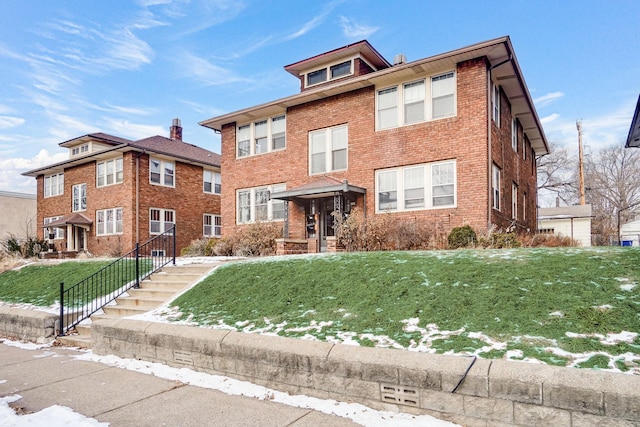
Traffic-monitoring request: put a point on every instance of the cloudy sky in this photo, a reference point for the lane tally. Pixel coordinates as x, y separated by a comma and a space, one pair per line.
128, 67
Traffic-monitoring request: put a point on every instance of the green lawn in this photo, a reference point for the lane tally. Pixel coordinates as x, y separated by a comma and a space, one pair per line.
39, 285
555, 305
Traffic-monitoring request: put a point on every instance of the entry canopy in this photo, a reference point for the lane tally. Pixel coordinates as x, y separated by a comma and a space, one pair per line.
73, 219
322, 187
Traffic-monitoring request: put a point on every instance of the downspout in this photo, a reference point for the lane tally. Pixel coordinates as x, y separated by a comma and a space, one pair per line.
489, 141
138, 195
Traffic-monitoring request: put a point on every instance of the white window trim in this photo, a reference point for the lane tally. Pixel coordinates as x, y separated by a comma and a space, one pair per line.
495, 104
214, 174
59, 188
162, 162
428, 188
328, 150
115, 174
514, 134
327, 68
81, 199
252, 203
252, 133
216, 229
162, 221
428, 101
57, 232
495, 187
114, 231
80, 150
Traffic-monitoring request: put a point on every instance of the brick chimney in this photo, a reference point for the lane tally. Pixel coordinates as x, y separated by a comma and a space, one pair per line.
175, 131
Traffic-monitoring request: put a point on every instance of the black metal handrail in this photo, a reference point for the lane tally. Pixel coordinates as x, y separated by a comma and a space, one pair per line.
83, 299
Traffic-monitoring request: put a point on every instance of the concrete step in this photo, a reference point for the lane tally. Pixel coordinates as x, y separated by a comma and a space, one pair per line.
122, 311
163, 286
141, 302
192, 268
73, 340
84, 329
151, 293
173, 277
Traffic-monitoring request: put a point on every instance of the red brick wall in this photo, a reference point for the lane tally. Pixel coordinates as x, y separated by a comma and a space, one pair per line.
187, 199
463, 138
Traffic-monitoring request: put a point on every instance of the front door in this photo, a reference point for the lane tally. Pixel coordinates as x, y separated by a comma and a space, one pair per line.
81, 236
326, 222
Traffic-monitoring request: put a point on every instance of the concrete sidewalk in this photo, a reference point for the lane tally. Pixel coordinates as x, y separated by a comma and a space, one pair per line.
51, 376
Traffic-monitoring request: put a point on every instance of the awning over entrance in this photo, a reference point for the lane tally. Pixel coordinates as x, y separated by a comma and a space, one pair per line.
322, 187
74, 219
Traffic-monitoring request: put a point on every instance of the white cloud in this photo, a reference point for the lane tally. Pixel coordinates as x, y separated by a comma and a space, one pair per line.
12, 167
7, 122
550, 118
547, 99
353, 29
203, 71
125, 51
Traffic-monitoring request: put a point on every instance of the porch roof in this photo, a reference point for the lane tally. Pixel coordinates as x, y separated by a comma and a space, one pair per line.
325, 186
73, 219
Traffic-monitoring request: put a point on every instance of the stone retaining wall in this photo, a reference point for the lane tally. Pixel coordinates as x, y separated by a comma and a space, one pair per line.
29, 325
493, 393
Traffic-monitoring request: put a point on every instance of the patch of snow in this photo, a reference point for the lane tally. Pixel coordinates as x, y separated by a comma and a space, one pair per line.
53, 416
358, 413
628, 287
556, 314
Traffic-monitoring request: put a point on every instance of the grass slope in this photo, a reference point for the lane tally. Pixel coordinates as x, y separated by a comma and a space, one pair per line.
39, 285
492, 303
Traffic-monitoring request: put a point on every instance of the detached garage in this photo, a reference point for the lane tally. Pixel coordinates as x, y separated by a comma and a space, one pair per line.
630, 233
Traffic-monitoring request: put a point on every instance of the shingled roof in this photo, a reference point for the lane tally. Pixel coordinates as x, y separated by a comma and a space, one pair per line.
178, 149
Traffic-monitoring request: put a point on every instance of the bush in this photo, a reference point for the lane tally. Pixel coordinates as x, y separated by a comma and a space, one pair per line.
257, 239
196, 248
29, 248
462, 237
534, 240
499, 240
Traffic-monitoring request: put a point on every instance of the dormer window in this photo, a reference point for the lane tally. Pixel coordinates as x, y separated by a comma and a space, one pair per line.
331, 72
80, 149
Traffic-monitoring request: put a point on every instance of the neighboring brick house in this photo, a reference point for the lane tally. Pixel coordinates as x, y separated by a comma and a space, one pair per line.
113, 192
448, 140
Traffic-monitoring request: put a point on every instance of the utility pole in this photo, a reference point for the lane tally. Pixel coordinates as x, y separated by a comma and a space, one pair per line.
580, 162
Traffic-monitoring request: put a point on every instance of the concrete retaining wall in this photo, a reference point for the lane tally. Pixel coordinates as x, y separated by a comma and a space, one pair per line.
29, 325
494, 392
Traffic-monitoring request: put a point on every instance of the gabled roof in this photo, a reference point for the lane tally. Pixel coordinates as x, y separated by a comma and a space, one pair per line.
72, 219
179, 150
499, 53
633, 139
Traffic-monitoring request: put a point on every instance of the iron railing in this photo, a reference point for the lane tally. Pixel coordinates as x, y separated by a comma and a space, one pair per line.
85, 298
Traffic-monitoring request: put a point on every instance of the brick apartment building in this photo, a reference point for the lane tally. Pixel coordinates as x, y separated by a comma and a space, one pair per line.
450, 139
113, 192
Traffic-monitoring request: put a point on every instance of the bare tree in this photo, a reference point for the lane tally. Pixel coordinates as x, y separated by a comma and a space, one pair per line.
557, 176
612, 181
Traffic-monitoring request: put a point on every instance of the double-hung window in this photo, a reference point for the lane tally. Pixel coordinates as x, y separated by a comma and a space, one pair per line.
495, 102
328, 150
388, 108
443, 88
58, 233
514, 135
84, 148
162, 172
211, 182
161, 220
79, 198
332, 72
420, 101
109, 172
255, 204
414, 109
54, 185
418, 187
109, 221
261, 136
211, 225
495, 187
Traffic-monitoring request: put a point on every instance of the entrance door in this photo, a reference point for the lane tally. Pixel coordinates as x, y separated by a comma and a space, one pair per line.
81, 236
326, 222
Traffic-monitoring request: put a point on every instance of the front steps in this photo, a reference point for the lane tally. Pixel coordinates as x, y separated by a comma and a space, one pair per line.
160, 287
